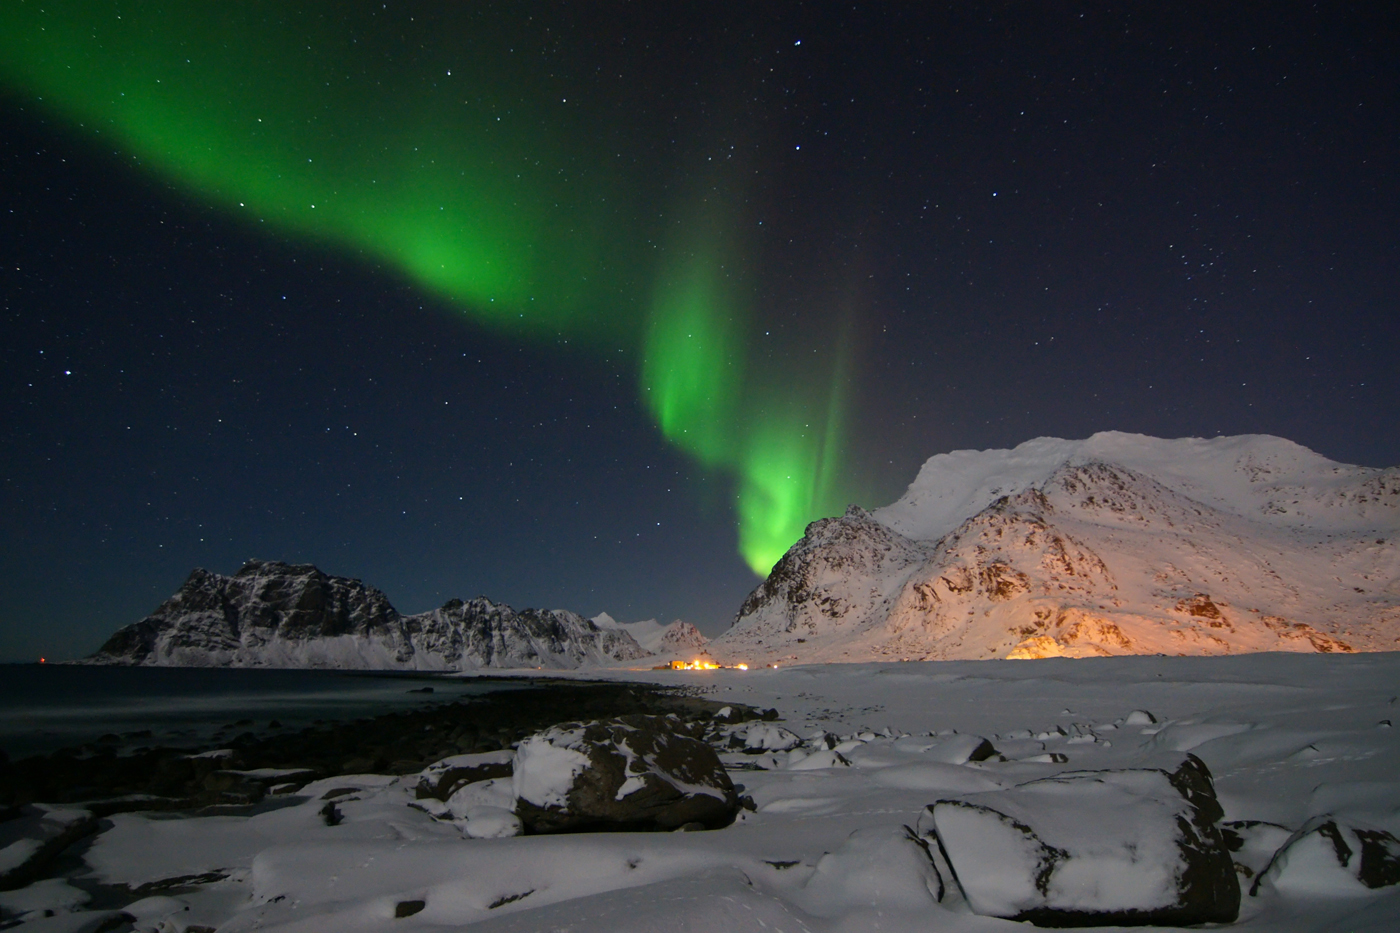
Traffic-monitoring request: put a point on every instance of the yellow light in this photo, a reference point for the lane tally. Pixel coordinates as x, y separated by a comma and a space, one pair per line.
742, 667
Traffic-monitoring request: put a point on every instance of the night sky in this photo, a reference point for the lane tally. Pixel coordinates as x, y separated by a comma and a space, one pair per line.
596, 306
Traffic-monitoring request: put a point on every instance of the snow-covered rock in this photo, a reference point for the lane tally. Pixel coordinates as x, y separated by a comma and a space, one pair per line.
31, 836
1087, 848
886, 865
43, 899
1119, 544
1329, 858
764, 736
273, 614
627, 773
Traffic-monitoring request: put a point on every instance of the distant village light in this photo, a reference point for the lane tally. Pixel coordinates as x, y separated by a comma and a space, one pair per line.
694, 666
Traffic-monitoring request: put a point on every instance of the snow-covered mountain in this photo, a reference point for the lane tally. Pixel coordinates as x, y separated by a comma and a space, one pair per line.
674, 640
272, 614
1119, 544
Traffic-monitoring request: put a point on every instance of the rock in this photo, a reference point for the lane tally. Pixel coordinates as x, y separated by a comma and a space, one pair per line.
1327, 857
882, 867
1253, 843
763, 737
633, 772
815, 761
1089, 848
34, 836
441, 780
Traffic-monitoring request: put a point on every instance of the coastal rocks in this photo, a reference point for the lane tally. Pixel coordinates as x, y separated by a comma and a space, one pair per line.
1088, 848
633, 772
272, 614
1327, 857
474, 737
32, 836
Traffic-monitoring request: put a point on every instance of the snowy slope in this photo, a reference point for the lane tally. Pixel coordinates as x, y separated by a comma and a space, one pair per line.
272, 614
1119, 544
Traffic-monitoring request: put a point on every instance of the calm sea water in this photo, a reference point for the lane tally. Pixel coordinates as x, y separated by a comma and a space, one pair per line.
48, 706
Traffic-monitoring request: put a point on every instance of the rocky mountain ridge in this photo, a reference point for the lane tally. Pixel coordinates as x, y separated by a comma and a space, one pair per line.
1119, 544
678, 639
272, 614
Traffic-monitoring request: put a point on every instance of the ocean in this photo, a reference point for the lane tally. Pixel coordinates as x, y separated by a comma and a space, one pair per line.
44, 707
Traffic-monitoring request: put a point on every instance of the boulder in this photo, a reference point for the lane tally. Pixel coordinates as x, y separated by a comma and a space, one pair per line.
1091, 848
884, 868
632, 773
765, 737
1330, 857
442, 779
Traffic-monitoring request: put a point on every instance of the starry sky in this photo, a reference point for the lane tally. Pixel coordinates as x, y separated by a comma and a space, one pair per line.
595, 306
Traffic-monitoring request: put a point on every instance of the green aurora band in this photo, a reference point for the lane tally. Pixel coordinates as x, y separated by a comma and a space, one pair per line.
470, 175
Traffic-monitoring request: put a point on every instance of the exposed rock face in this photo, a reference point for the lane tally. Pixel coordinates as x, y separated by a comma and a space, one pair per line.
1089, 848
1116, 545
272, 614
635, 772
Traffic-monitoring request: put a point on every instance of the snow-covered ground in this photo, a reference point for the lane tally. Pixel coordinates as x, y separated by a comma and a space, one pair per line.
1287, 737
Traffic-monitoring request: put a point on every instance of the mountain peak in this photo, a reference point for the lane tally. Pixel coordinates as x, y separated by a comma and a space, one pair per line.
1091, 547
274, 614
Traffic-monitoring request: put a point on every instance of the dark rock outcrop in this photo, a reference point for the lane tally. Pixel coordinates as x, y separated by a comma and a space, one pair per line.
272, 614
634, 772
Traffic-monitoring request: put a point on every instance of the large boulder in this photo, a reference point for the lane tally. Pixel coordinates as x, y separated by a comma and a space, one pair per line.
1092, 848
1330, 857
634, 772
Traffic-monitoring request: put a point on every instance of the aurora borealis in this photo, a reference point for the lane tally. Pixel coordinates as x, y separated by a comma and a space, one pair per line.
464, 176
598, 307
